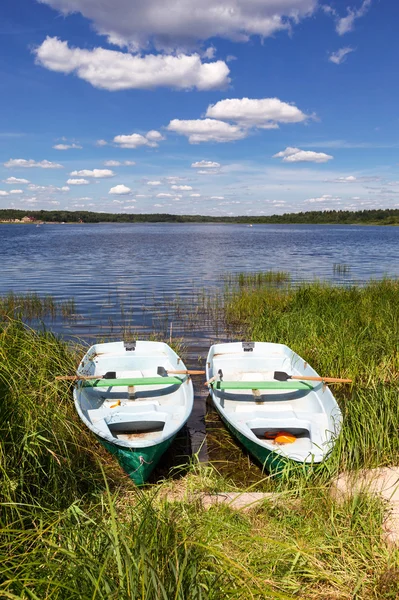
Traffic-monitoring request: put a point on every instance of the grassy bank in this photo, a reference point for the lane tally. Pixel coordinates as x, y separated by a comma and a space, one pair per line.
72, 525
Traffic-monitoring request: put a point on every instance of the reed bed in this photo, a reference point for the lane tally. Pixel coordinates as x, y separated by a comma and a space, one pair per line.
72, 525
32, 306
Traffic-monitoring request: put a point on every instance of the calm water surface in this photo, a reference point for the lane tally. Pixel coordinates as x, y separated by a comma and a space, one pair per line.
128, 273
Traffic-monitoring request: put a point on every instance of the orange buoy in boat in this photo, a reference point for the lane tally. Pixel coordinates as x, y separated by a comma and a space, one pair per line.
270, 435
283, 437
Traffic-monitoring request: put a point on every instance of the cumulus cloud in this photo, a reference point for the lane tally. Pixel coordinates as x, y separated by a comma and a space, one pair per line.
16, 191
205, 164
30, 163
293, 155
101, 143
206, 130
164, 195
195, 195
340, 55
67, 146
4, 193
95, 173
154, 182
217, 197
265, 113
120, 190
113, 70
177, 24
15, 180
78, 182
135, 140
182, 188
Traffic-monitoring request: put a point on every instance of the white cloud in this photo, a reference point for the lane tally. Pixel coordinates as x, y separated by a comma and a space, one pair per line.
346, 24
113, 70
206, 130
78, 182
205, 164
154, 183
182, 188
3, 193
117, 163
293, 155
67, 146
164, 195
15, 180
195, 195
96, 173
120, 190
101, 143
22, 162
265, 113
348, 179
217, 197
339, 56
135, 140
16, 191
323, 198
65, 188
154, 136
177, 24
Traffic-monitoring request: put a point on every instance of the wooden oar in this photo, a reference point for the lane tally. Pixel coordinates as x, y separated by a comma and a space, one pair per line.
162, 371
108, 375
282, 376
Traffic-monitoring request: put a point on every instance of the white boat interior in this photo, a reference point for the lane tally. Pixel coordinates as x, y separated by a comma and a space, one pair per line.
249, 398
136, 406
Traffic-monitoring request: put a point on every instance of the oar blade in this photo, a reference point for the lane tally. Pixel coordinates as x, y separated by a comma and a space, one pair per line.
281, 376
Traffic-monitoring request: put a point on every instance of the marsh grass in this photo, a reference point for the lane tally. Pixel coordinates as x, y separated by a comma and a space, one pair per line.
72, 525
257, 279
32, 306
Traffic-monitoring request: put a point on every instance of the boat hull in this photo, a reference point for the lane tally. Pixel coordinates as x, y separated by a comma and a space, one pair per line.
138, 463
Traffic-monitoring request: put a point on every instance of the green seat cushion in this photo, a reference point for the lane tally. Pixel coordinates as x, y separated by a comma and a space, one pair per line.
135, 381
262, 385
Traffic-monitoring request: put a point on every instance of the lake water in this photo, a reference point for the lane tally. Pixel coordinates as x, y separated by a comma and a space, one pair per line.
128, 274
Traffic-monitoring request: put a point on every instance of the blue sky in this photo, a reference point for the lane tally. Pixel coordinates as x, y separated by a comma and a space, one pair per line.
218, 108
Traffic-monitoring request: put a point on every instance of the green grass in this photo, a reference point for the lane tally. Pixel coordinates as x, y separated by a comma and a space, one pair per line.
72, 525
32, 306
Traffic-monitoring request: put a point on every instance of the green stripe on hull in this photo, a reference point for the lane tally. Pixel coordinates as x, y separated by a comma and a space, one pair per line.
137, 462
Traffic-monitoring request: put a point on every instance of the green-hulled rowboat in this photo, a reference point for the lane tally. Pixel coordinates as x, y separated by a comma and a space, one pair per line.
127, 399
277, 421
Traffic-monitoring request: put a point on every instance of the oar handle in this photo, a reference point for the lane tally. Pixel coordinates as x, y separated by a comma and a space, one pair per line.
211, 380
187, 372
326, 379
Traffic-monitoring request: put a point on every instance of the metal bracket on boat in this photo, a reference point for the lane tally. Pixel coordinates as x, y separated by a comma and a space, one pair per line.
130, 346
248, 346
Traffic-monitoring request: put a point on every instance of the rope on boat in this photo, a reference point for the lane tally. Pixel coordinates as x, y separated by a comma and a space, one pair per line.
142, 461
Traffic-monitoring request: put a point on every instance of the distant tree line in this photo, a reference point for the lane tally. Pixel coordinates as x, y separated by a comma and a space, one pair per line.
388, 216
